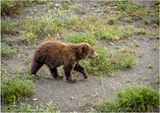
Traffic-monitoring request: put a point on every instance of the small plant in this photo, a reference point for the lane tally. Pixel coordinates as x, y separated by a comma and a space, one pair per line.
48, 107
126, 5
112, 20
124, 58
71, 21
32, 28
140, 31
82, 37
114, 33
28, 37
7, 26
7, 51
155, 20
15, 90
134, 99
54, 26
6, 6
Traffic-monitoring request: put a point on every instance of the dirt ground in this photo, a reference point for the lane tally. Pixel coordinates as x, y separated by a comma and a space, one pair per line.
86, 93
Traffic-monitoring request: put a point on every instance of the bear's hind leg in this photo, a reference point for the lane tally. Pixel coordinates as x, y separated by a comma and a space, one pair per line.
81, 69
54, 73
35, 67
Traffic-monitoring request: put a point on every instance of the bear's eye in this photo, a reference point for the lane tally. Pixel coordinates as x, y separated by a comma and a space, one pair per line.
92, 52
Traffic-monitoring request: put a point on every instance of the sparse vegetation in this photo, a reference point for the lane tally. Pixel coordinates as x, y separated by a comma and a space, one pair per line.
7, 26
32, 28
23, 107
124, 58
134, 99
54, 26
6, 7
126, 6
113, 33
71, 21
140, 31
7, 51
103, 26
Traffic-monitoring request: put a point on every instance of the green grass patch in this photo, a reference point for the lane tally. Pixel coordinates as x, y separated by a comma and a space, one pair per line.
140, 31
123, 59
134, 99
82, 37
15, 89
112, 20
31, 29
6, 6
114, 33
55, 25
71, 21
126, 6
23, 107
7, 26
7, 51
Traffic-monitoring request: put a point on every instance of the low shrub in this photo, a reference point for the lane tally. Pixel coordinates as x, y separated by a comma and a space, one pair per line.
14, 90
7, 26
7, 51
134, 99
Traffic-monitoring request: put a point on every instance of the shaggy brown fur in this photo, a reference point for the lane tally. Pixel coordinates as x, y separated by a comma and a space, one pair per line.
55, 54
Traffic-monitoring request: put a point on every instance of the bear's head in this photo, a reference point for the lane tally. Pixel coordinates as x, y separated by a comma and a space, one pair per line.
86, 51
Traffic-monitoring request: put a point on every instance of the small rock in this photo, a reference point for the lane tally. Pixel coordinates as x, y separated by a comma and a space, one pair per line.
128, 80
34, 99
57, 5
111, 43
71, 98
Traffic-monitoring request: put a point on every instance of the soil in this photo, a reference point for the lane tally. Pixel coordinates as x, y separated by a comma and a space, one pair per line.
85, 93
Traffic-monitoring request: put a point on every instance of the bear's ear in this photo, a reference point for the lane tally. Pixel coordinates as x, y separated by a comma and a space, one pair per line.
85, 49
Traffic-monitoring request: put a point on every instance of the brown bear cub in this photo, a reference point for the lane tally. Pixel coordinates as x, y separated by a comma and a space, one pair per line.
54, 54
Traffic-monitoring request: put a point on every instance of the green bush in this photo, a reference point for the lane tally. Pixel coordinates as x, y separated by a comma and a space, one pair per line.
134, 99
7, 26
14, 90
6, 50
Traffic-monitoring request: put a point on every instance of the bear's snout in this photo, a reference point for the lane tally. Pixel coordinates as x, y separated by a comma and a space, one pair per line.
94, 55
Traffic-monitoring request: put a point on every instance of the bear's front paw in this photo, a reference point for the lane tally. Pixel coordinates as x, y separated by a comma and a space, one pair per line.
72, 81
